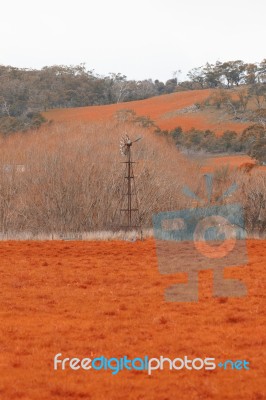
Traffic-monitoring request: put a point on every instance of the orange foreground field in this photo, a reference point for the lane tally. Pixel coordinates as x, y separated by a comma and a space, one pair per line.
86, 299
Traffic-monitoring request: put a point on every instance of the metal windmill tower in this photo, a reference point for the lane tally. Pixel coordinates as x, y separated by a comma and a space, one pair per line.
130, 204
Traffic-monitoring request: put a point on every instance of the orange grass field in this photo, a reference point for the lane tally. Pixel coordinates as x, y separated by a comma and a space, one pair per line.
209, 164
161, 109
86, 299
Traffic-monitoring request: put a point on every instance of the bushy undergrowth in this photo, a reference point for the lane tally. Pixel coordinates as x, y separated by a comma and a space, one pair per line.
31, 120
69, 177
251, 141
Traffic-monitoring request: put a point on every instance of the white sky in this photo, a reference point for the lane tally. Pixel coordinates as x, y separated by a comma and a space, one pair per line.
139, 38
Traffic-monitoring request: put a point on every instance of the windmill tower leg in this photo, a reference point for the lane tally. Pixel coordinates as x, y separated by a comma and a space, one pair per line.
132, 205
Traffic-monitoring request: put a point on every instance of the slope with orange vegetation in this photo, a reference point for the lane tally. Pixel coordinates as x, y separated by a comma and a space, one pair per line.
87, 299
243, 162
209, 164
162, 110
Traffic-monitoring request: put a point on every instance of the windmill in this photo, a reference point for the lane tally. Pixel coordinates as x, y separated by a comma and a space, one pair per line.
130, 205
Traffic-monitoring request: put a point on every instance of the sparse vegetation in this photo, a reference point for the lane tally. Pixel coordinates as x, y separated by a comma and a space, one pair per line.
53, 181
68, 178
252, 141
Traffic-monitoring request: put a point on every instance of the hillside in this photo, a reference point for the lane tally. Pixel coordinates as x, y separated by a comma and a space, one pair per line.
167, 111
25, 93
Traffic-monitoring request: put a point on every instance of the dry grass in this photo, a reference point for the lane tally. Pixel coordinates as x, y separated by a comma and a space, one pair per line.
106, 298
130, 235
73, 178
210, 163
72, 182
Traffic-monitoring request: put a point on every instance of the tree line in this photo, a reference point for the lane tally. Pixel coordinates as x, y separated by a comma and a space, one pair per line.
24, 93
251, 141
227, 74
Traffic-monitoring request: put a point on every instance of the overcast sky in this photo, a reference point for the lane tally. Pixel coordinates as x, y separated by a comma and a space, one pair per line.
139, 38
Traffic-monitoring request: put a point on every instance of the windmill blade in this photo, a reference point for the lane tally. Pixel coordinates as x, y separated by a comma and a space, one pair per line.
123, 145
123, 150
133, 141
126, 143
